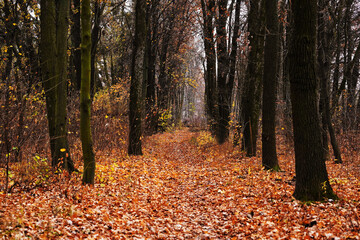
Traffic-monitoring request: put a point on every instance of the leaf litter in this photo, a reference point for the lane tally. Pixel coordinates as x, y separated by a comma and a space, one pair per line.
185, 186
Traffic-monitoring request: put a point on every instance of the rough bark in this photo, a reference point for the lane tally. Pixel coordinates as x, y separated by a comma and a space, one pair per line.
223, 62
226, 66
53, 54
269, 156
210, 71
253, 83
85, 102
138, 77
312, 182
152, 44
61, 141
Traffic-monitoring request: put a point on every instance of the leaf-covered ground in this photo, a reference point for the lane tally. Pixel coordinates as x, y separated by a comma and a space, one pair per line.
184, 187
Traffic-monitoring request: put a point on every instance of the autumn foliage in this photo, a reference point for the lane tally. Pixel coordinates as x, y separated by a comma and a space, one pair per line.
203, 69
185, 186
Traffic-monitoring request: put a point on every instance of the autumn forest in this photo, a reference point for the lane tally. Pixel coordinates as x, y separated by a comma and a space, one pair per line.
179, 119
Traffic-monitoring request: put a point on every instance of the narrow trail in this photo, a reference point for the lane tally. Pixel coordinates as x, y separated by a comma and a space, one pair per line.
185, 186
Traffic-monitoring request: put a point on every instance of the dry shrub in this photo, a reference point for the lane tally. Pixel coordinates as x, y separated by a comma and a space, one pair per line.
30, 161
109, 121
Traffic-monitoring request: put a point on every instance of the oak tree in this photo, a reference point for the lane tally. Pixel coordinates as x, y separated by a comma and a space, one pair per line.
312, 181
53, 54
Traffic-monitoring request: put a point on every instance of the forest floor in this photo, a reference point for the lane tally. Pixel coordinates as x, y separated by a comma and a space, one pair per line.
184, 187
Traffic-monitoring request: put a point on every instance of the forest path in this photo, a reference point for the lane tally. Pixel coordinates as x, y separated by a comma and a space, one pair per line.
204, 189
185, 186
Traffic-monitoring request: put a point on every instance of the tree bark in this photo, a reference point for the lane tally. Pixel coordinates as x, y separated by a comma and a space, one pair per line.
152, 45
312, 182
223, 63
53, 54
76, 40
61, 86
164, 85
85, 102
95, 38
138, 78
323, 59
269, 156
253, 83
210, 71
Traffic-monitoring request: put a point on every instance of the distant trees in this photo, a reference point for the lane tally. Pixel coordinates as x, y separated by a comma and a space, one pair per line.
325, 38
169, 41
159, 69
220, 48
219, 21
312, 182
19, 74
242, 67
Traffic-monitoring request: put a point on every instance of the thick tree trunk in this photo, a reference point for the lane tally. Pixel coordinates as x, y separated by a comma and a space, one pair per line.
53, 54
269, 156
138, 78
61, 88
48, 63
312, 182
226, 67
85, 102
223, 63
252, 93
152, 43
210, 72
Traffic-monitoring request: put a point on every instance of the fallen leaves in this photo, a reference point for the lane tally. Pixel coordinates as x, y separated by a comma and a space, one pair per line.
184, 187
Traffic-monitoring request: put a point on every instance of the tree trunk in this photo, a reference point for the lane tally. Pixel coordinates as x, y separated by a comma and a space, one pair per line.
85, 102
164, 85
95, 37
223, 63
253, 83
269, 156
76, 40
152, 43
48, 63
61, 86
323, 58
138, 77
312, 182
210, 71
53, 53
232, 72
226, 68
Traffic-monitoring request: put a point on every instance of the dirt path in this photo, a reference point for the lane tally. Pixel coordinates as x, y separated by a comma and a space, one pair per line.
206, 191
